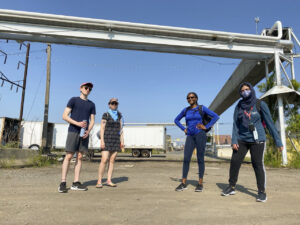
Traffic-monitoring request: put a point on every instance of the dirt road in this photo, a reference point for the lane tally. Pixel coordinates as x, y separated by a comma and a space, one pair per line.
145, 195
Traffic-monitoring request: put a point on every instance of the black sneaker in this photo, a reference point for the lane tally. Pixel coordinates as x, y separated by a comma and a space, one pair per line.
228, 191
199, 188
262, 197
181, 187
62, 187
77, 186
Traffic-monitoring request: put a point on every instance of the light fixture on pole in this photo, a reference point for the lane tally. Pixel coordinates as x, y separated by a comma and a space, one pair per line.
256, 19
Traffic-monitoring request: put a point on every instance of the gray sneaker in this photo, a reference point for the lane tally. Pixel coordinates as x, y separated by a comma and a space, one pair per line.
181, 187
62, 187
199, 188
228, 191
262, 197
77, 186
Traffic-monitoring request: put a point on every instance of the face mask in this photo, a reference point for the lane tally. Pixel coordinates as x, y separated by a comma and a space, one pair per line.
246, 93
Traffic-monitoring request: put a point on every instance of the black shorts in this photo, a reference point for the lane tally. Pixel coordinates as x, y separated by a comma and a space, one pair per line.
75, 143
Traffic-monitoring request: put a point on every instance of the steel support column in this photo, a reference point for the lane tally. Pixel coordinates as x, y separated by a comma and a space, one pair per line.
280, 108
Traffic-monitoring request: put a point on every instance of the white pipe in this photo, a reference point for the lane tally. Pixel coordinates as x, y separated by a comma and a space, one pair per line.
110, 25
277, 26
280, 109
293, 69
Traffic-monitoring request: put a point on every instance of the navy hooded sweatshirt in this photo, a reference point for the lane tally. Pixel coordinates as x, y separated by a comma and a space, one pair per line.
241, 130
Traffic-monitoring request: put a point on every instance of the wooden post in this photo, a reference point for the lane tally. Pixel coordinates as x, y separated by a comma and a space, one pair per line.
23, 94
46, 109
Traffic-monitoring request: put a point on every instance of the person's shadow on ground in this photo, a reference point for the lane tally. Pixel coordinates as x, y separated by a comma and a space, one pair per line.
115, 180
188, 182
239, 188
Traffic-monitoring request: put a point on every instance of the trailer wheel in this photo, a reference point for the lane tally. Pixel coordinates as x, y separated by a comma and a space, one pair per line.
136, 152
34, 147
146, 153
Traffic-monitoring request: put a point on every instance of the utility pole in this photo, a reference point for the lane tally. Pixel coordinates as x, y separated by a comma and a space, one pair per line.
46, 109
23, 93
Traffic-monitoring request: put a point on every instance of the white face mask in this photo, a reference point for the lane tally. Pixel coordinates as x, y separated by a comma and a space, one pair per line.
246, 93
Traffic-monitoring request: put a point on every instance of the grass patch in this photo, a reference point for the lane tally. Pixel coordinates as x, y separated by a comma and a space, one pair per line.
294, 161
273, 158
41, 161
7, 163
11, 144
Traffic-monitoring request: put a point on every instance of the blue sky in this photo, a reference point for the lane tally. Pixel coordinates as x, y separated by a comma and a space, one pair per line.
151, 87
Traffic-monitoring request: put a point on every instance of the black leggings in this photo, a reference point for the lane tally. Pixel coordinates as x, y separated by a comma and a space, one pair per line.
196, 141
257, 159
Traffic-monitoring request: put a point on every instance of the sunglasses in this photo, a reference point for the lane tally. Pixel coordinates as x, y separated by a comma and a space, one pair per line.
88, 88
192, 97
114, 103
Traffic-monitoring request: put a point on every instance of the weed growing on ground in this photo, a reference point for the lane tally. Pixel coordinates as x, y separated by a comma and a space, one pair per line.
294, 161
7, 163
41, 161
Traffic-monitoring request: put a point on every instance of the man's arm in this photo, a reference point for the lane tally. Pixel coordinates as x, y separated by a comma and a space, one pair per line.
68, 119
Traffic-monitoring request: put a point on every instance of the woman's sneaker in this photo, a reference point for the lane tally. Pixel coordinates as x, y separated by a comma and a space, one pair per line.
77, 186
228, 191
199, 188
262, 197
181, 187
62, 187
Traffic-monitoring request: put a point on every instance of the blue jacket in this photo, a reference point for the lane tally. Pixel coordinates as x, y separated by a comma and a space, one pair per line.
239, 132
193, 117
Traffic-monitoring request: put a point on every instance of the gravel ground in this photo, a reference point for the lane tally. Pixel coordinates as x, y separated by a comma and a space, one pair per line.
145, 195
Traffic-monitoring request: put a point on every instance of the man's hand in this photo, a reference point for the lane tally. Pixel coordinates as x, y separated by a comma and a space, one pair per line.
235, 147
201, 126
122, 145
185, 130
280, 148
82, 124
86, 134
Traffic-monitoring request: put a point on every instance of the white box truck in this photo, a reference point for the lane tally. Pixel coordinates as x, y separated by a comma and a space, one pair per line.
143, 139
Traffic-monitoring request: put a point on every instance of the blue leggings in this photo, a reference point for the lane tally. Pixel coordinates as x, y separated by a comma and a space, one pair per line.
196, 141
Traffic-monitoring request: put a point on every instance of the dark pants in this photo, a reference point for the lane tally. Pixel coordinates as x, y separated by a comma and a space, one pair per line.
257, 159
196, 141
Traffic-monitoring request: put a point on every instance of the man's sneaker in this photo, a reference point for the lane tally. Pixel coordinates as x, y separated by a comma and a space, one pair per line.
199, 188
228, 191
62, 187
262, 197
77, 186
181, 187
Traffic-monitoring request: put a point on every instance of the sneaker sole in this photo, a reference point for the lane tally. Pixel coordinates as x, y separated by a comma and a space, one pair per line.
198, 190
181, 189
231, 193
62, 191
259, 200
77, 189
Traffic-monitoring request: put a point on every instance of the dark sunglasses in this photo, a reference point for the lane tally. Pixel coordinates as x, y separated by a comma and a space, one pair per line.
192, 97
114, 103
88, 88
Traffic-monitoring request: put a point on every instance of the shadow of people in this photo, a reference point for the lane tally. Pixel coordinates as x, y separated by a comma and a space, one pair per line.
115, 180
188, 182
239, 188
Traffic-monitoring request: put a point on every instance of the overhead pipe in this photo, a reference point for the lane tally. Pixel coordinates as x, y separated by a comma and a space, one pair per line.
277, 26
110, 25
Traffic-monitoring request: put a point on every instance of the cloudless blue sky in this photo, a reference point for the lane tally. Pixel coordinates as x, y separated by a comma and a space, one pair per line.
151, 87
